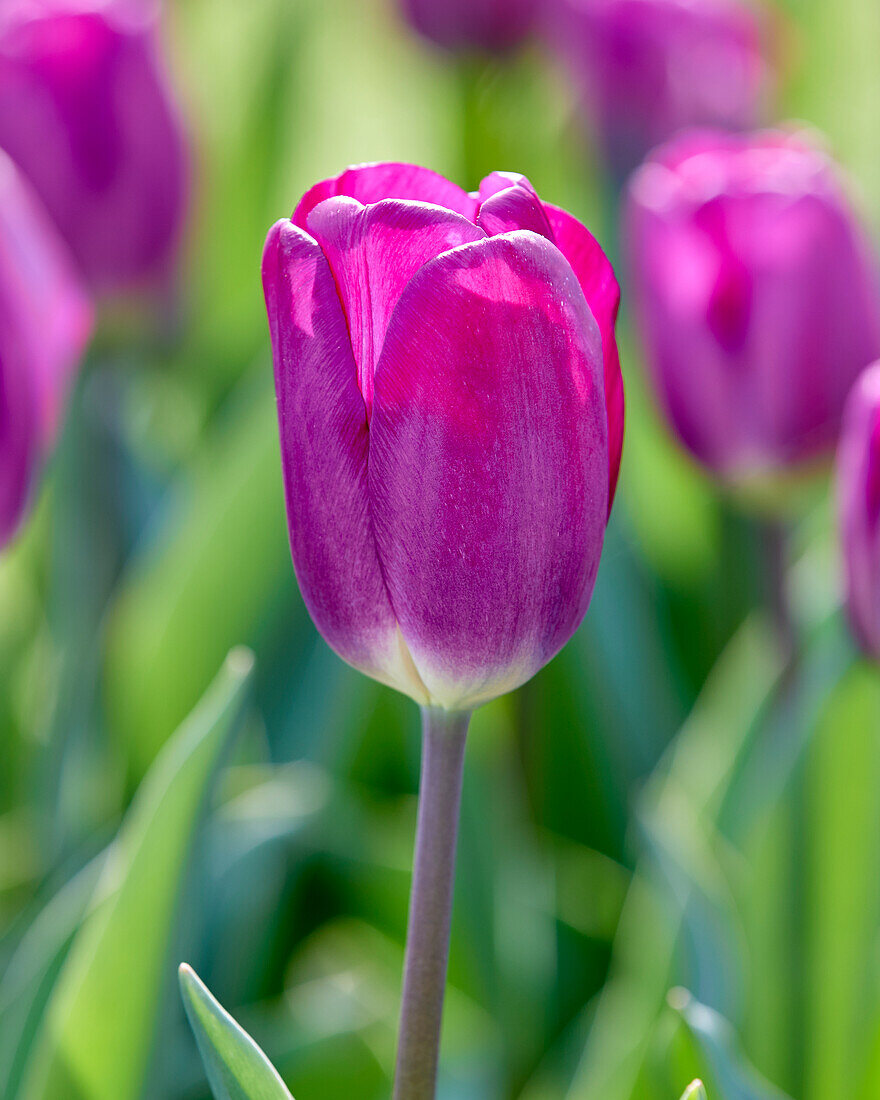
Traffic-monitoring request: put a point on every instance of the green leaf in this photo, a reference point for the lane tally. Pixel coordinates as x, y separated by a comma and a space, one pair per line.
99, 1025
694, 1091
677, 809
185, 599
717, 1049
30, 977
237, 1069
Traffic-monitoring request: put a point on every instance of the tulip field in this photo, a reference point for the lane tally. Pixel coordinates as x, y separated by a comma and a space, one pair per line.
439, 550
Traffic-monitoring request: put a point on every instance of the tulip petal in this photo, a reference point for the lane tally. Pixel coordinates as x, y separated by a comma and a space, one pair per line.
88, 115
858, 498
19, 444
514, 208
596, 276
369, 183
500, 181
373, 252
490, 385
45, 322
324, 447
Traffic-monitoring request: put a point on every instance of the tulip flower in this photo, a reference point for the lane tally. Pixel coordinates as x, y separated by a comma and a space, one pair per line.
448, 352
86, 112
648, 68
492, 26
45, 321
858, 495
451, 416
757, 296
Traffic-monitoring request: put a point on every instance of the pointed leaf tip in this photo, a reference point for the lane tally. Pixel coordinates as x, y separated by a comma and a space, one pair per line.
720, 1055
236, 1067
695, 1091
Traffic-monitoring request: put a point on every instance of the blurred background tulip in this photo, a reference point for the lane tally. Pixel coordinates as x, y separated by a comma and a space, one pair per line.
494, 26
45, 321
645, 69
87, 113
447, 532
858, 498
756, 290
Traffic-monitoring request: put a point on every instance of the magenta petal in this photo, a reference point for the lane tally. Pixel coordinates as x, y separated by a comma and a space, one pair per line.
500, 181
87, 113
45, 323
324, 448
514, 208
490, 386
373, 252
19, 446
596, 276
858, 499
369, 183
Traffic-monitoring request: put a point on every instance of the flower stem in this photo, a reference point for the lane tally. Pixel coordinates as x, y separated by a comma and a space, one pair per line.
430, 909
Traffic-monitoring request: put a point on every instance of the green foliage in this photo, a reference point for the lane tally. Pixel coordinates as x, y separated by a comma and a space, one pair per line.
98, 1026
718, 1053
237, 1069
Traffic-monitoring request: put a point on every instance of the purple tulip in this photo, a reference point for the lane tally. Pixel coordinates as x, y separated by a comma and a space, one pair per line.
757, 295
858, 496
648, 68
451, 415
495, 26
86, 112
45, 321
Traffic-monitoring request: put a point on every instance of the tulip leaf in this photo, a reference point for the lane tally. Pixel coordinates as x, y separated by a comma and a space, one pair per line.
695, 1091
237, 1069
30, 977
184, 600
98, 1027
718, 1050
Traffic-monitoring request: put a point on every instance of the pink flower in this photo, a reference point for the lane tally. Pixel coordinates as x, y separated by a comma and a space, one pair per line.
45, 321
757, 296
491, 25
646, 69
87, 114
451, 415
858, 498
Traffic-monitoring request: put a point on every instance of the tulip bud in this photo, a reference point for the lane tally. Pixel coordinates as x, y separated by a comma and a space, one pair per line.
858, 499
451, 416
648, 68
85, 111
45, 321
494, 26
757, 297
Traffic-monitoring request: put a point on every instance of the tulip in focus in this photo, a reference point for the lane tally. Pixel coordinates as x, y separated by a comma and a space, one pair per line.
646, 69
757, 296
858, 497
45, 321
493, 26
451, 414
86, 112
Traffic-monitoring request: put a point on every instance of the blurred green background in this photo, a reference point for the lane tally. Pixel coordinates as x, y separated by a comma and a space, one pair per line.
663, 806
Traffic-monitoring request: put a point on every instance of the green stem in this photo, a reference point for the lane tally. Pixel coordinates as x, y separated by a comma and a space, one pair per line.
430, 911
